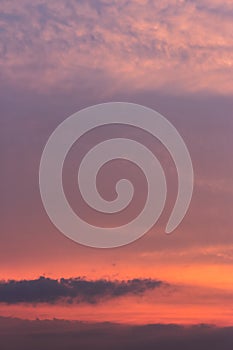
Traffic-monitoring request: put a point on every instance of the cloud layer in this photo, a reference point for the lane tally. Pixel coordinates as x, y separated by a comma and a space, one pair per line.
186, 45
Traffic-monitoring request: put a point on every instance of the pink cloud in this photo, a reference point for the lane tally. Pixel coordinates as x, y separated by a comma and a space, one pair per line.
186, 46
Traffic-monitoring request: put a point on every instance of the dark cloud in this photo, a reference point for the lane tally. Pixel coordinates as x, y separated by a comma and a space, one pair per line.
61, 334
47, 290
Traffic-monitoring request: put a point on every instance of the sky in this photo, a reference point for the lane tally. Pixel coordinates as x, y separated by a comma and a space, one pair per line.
174, 56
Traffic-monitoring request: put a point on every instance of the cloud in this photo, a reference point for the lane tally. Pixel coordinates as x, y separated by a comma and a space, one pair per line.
47, 290
61, 334
113, 45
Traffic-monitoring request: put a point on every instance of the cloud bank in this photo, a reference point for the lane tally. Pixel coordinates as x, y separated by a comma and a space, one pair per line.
61, 334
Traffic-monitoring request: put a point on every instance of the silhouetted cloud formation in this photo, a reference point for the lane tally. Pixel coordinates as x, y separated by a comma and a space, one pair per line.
72, 335
47, 290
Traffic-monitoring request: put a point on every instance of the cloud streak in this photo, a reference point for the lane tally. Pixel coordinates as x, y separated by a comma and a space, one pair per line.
79, 290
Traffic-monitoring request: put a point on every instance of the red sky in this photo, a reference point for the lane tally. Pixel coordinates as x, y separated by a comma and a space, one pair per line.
173, 56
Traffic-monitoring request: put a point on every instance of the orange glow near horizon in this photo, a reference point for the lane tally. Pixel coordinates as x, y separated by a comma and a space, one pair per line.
197, 294
127, 312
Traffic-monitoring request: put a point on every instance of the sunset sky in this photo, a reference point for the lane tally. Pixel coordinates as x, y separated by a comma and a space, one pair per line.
174, 56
